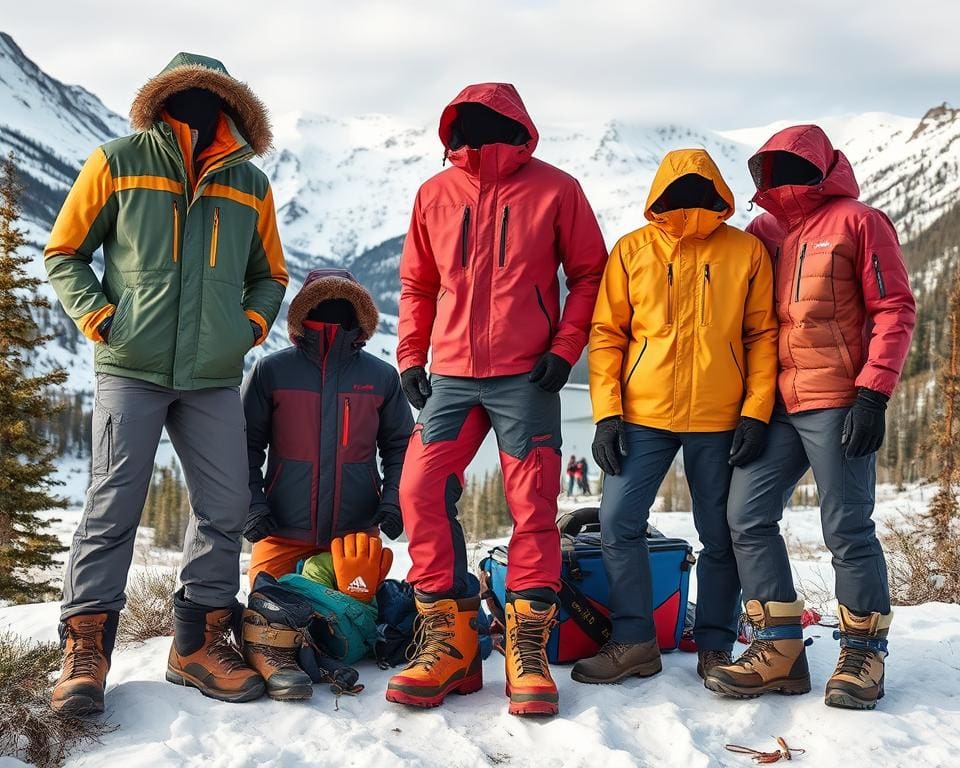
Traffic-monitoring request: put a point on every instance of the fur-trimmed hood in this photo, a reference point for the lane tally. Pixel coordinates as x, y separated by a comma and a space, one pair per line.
190, 70
324, 285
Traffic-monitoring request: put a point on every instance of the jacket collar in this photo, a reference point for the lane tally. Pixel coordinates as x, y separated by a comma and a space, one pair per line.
323, 342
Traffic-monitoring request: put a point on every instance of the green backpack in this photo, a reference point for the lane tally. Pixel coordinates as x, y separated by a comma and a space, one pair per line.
348, 630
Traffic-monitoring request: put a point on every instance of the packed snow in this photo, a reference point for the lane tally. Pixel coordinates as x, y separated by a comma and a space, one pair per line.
666, 720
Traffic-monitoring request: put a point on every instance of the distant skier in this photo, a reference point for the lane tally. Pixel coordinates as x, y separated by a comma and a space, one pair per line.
572, 468
583, 476
480, 292
193, 278
846, 316
682, 357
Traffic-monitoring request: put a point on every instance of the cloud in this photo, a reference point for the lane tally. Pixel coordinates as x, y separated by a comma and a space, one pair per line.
712, 64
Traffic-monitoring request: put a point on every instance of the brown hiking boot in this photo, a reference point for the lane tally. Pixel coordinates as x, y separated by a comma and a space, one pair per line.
204, 656
445, 654
776, 659
857, 682
271, 650
87, 640
707, 660
617, 661
529, 685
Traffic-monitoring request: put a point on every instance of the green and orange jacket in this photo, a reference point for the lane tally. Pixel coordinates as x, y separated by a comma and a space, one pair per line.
190, 256
684, 335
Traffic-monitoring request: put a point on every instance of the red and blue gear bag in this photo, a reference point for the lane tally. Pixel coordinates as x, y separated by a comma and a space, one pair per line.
583, 620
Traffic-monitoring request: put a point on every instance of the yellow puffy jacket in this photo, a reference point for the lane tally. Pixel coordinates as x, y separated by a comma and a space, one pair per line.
684, 335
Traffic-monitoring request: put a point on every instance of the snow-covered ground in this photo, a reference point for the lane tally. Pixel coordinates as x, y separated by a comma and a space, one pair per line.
663, 721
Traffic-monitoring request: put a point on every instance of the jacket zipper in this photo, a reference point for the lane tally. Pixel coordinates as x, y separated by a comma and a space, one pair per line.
215, 237
543, 308
176, 232
876, 270
346, 422
503, 235
464, 231
736, 362
669, 294
803, 252
706, 290
636, 363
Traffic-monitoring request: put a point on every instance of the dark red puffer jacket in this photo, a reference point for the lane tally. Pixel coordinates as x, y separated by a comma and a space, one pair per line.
480, 262
843, 298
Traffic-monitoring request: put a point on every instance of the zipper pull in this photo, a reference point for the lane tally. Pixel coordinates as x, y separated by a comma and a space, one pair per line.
346, 422
706, 272
670, 274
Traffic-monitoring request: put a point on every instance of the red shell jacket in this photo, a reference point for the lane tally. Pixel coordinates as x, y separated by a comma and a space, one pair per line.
843, 298
480, 262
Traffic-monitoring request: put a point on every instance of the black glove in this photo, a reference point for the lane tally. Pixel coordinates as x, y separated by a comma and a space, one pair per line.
610, 444
416, 386
550, 373
104, 329
748, 441
257, 330
864, 427
390, 521
260, 523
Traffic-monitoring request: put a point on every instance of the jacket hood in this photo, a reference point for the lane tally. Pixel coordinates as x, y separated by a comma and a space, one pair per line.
666, 207
504, 99
791, 201
189, 70
326, 284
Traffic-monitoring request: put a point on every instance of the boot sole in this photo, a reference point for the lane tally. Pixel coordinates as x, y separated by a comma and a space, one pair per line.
844, 699
783, 687
548, 706
463, 686
291, 693
232, 697
647, 669
78, 706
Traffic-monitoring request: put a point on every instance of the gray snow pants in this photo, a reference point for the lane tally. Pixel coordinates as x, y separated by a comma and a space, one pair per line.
208, 432
759, 491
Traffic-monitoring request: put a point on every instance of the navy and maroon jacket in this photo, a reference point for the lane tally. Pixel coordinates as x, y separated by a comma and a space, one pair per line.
324, 407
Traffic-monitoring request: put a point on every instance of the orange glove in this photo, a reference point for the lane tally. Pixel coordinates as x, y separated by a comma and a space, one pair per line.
361, 564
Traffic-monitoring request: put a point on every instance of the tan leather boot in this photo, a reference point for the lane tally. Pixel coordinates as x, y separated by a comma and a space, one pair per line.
271, 650
857, 682
204, 655
88, 644
707, 660
530, 687
446, 657
776, 659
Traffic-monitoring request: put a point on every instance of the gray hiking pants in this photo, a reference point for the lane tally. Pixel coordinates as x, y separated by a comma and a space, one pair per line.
758, 493
624, 512
208, 432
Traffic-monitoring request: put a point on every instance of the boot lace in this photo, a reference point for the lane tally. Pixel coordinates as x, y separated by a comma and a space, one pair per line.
85, 656
759, 651
613, 650
430, 639
714, 659
528, 638
222, 648
278, 658
855, 653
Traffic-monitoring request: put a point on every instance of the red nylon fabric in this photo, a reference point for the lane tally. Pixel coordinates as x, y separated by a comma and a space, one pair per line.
479, 269
844, 304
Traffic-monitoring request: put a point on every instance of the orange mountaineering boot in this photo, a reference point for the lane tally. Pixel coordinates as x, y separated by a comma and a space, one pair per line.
445, 653
530, 687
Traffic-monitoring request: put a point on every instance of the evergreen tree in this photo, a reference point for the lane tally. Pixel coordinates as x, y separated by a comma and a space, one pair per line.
27, 552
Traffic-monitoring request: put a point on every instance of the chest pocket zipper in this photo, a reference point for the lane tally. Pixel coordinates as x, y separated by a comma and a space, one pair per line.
503, 234
464, 232
876, 271
176, 232
669, 294
345, 439
705, 299
799, 275
215, 237
636, 362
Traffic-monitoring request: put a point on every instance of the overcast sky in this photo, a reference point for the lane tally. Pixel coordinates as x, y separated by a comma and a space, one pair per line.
712, 64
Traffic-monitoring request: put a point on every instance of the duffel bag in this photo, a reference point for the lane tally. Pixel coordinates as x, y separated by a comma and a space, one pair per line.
583, 618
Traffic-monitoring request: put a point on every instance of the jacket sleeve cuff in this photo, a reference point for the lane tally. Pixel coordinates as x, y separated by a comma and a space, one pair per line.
259, 320
90, 322
409, 361
759, 410
879, 381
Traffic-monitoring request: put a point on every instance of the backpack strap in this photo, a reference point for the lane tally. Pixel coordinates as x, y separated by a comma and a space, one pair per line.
594, 624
